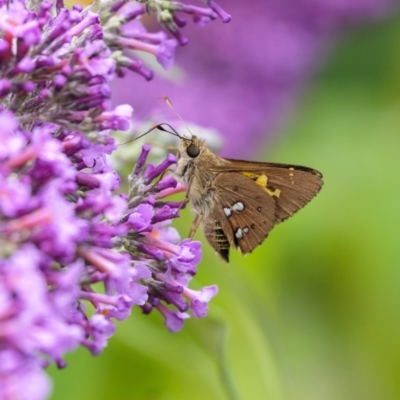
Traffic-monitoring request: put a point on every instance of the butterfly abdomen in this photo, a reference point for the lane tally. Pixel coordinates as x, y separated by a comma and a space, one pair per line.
222, 243
217, 238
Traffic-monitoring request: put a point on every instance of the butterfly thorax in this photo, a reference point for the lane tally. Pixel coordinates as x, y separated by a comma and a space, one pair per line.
198, 172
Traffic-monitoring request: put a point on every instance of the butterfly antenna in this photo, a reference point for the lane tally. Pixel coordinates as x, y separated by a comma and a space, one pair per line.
168, 101
172, 131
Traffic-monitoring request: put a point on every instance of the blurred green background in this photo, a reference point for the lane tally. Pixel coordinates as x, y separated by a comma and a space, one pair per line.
313, 313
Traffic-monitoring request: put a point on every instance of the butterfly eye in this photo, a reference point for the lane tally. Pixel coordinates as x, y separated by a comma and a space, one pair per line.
193, 151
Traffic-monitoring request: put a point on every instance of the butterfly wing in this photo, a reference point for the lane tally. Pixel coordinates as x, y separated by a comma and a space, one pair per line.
243, 216
291, 186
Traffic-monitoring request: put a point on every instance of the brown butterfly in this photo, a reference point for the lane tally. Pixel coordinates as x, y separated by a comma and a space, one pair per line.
239, 202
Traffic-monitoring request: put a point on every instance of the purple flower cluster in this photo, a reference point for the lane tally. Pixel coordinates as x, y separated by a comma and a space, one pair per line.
74, 255
47, 62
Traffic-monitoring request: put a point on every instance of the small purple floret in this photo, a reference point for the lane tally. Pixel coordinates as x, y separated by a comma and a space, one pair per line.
165, 53
154, 171
173, 319
219, 10
199, 299
141, 218
188, 257
141, 161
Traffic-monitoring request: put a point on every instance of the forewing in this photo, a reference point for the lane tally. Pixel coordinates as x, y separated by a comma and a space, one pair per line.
245, 212
291, 186
297, 187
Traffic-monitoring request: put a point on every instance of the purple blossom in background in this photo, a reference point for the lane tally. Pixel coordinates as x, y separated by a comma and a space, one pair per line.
243, 79
64, 231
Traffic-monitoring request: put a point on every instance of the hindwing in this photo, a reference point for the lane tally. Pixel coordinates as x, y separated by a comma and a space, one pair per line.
244, 212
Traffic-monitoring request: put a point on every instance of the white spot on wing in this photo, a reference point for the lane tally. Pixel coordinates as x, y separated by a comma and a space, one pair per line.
239, 233
246, 230
239, 206
227, 211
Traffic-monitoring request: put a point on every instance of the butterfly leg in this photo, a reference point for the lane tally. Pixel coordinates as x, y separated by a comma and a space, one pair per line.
186, 199
195, 225
199, 215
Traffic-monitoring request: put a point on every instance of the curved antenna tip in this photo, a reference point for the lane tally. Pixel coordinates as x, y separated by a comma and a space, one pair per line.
169, 103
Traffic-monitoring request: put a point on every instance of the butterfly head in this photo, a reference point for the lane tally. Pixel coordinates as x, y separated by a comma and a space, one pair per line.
191, 148
190, 151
